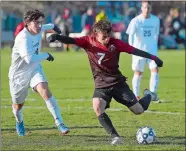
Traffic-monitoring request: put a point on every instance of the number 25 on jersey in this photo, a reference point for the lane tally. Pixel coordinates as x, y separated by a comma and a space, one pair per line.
147, 33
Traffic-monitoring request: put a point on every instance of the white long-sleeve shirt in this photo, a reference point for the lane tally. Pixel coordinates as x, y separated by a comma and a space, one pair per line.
26, 56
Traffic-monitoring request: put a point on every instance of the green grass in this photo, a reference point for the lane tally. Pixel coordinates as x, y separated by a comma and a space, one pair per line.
71, 82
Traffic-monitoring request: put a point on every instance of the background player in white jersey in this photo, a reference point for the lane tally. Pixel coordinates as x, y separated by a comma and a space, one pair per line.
26, 71
143, 32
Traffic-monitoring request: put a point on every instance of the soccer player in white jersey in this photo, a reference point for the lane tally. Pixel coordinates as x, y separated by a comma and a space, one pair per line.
26, 71
143, 32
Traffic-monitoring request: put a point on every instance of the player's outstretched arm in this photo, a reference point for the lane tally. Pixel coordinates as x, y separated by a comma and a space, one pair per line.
51, 27
38, 58
63, 39
144, 54
57, 30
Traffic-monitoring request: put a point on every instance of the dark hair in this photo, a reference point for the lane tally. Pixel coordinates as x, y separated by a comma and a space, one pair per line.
146, 2
103, 26
32, 15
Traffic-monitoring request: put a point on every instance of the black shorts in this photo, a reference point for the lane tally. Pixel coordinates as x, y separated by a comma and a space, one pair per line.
120, 92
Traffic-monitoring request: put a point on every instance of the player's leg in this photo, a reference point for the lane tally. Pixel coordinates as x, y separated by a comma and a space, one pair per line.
43, 90
18, 94
136, 80
40, 85
101, 101
17, 111
99, 108
66, 31
154, 79
123, 95
138, 68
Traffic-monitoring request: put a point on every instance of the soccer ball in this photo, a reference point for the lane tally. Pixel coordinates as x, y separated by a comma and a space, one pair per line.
146, 135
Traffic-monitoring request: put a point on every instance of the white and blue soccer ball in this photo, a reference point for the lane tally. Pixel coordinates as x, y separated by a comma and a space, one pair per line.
146, 135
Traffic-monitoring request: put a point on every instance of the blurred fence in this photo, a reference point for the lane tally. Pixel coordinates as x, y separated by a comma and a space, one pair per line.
120, 13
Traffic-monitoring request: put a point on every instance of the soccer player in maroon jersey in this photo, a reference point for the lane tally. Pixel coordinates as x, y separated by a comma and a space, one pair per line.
103, 52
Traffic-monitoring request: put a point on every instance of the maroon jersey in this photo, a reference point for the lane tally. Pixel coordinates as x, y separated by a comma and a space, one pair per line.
104, 60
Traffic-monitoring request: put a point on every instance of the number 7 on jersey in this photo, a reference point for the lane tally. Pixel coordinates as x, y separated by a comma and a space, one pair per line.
102, 55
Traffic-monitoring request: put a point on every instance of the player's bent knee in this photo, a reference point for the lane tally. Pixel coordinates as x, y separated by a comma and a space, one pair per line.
17, 106
41, 86
138, 73
138, 112
98, 106
154, 70
137, 109
43, 90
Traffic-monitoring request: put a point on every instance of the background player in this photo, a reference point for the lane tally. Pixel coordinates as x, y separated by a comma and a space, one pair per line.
26, 71
103, 53
143, 32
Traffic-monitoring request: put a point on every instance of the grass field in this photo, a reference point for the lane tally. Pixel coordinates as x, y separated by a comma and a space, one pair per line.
71, 82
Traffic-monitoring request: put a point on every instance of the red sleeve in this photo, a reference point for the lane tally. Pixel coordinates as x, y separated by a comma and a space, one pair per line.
18, 29
82, 41
124, 47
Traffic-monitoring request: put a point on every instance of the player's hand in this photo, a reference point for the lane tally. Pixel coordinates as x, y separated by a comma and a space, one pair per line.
50, 57
159, 62
57, 30
52, 38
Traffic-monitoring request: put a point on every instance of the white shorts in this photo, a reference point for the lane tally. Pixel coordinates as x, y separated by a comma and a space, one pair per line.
37, 78
19, 92
138, 63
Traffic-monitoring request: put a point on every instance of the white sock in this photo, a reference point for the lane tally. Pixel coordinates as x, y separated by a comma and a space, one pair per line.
18, 114
136, 84
154, 79
54, 110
